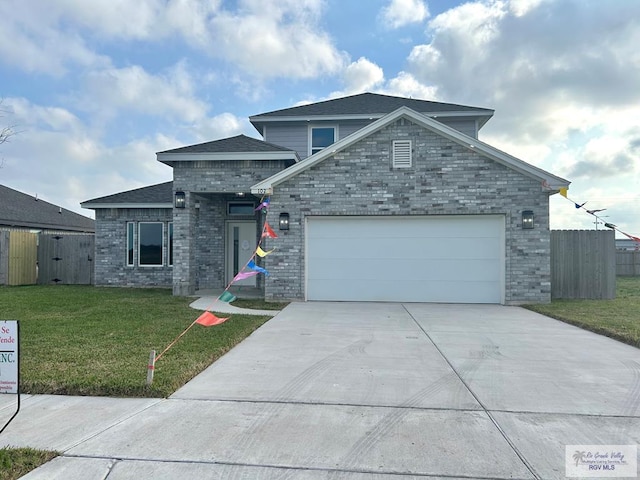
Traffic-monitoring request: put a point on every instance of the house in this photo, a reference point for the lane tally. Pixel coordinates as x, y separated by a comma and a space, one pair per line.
28, 228
373, 198
19, 211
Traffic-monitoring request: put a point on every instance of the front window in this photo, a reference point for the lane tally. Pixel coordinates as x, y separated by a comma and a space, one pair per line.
170, 243
130, 243
150, 243
322, 137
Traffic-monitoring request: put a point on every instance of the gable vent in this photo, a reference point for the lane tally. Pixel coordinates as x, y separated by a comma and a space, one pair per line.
401, 153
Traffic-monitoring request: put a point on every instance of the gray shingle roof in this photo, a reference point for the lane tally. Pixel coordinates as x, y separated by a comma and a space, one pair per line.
18, 209
154, 194
237, 144
369, 104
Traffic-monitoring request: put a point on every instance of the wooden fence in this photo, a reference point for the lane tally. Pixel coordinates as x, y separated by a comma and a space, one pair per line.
583, 264
628, 263
28, 258
66, 259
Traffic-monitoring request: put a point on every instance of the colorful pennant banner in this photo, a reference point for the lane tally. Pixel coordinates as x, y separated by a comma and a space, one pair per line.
208, 319
564, 192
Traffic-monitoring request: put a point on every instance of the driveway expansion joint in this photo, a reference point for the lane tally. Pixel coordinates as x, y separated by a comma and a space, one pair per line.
287, 467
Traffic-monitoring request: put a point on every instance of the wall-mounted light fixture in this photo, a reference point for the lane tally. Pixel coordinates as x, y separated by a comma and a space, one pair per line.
527, 219
284, 221
180, 200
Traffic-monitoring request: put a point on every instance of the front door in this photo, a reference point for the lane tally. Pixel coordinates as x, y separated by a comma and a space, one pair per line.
240, 246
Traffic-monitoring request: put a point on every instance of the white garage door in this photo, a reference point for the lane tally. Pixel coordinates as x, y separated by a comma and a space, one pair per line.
456, 259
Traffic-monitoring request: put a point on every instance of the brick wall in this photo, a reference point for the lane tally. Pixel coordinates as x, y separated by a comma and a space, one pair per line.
199, 233
446, 179
111, 249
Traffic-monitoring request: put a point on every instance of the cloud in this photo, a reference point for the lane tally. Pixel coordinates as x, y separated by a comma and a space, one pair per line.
406, 85
132, 89
606, 156
360, 76
276, 39
399, 13
31, 40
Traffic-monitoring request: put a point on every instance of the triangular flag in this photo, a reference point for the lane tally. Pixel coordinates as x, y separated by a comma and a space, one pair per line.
593, 212
563, 191
268, 232
243, 275
227, 297
264, 204
580, 206
635, 239
252, 265
262, 253
208, 319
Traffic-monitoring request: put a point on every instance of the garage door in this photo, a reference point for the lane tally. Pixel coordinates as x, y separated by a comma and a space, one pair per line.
455, 259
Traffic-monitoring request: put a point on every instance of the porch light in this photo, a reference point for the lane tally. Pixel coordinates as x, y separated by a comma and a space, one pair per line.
284, 221
527, 219
180, 200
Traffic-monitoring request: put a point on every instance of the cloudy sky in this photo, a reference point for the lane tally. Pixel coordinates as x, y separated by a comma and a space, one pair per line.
94, 88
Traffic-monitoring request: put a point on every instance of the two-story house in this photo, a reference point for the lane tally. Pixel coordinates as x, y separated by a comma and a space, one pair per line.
373, 198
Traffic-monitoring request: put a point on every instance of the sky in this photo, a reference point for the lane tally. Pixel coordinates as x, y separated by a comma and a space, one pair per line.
93, 89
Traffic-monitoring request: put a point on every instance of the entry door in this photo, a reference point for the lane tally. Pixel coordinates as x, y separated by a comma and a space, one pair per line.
241, 245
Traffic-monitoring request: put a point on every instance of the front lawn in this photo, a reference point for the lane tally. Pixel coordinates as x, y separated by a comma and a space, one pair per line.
618, 318
83, 340
17, 462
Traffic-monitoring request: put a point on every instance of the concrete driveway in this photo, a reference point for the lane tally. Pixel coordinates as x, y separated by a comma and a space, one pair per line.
370, 391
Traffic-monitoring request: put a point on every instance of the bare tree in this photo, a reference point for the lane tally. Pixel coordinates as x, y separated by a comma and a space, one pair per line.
5, 132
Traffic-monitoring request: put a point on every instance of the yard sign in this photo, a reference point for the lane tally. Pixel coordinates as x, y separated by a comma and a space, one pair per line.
9, 361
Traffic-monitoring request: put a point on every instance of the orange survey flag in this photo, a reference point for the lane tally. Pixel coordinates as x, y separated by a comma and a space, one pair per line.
208, 319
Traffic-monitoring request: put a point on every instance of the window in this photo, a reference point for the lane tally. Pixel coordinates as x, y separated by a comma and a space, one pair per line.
130, 243
241, 208
402, 154
170, 243
150, 243
321, 137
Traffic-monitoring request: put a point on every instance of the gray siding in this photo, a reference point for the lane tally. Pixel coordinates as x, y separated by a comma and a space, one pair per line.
446, 179
111, 249
466, 126
294, 136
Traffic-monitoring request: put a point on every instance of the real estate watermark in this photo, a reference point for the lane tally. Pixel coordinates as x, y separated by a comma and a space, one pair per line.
588, 461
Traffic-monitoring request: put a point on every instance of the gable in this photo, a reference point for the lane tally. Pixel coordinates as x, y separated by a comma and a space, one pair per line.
369, 173
424, 123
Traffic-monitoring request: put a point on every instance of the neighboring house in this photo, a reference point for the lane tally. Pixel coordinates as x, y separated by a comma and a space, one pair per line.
19, 211
28, 227
374, 198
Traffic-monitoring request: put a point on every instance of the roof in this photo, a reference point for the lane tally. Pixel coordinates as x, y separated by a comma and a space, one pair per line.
368, 105
239, 143
239, 147
154, 196
552, 182
18, 209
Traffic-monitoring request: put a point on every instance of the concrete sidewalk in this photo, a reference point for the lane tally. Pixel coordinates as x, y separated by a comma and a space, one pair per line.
361, 391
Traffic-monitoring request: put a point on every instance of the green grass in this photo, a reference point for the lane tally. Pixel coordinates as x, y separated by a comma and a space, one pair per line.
618, 318
16, 462
83, 340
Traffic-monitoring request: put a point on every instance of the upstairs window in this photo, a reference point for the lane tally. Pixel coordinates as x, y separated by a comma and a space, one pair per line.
402, 154
321, 137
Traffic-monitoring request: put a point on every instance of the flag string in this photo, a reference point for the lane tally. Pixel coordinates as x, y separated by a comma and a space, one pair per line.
226, 295
594, 212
